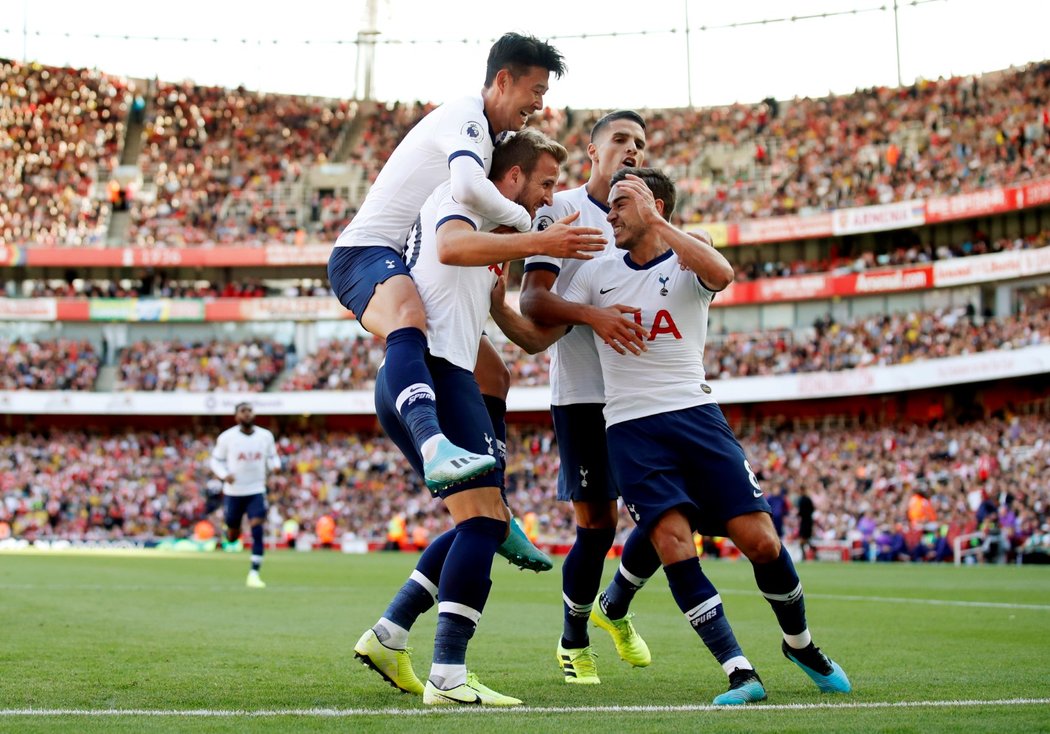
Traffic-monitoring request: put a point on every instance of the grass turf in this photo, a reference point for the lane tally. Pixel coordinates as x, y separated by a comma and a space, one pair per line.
161, 634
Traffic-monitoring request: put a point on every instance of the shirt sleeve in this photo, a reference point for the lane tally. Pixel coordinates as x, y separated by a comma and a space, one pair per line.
545, 217
218, 457
472, 188
448, 208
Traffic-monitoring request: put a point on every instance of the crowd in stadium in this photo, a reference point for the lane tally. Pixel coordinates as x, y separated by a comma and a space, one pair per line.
863, 481
61, 134
352, 363
207, 151
58, 364
249, 366
338, 364
203, 145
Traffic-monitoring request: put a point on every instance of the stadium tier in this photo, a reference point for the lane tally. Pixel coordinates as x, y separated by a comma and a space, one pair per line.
95, 159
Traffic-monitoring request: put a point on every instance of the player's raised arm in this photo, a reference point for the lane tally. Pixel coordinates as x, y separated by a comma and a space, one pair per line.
694, 252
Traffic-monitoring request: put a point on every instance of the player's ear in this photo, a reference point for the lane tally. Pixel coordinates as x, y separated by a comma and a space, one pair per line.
502, 79
592, 152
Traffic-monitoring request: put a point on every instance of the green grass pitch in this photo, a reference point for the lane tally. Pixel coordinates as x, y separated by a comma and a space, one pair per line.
110, 642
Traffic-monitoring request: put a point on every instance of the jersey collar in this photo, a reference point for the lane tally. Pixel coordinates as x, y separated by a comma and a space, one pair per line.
492, 135
651, 264
603, 207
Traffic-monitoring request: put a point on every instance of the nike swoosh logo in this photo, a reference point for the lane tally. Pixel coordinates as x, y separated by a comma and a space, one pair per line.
756, 493
603, 291
477, 699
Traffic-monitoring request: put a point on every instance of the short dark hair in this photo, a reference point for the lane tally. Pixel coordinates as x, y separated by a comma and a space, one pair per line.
613, 117
524, 148
517, 53
658, 182
240, 405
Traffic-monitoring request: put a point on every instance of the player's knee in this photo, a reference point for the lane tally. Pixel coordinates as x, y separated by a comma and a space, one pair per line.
763, 548
412, 315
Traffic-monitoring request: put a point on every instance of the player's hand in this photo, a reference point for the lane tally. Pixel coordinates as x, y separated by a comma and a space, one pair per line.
230, 479
565, 240
640, 197
499, 290
504, 229
621, 334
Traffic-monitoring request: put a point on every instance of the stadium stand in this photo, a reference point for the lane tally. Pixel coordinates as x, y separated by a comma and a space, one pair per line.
213, 160
61, 364
211, 207
153, 484
200, 367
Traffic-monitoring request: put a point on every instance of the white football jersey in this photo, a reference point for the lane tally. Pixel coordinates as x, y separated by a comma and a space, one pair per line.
674, 305
416, 167
575, 372
247, 456
456, 298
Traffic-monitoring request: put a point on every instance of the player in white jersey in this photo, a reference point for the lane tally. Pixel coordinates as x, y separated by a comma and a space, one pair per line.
577, 399
673, 454
456, 262
241, 458
452, 143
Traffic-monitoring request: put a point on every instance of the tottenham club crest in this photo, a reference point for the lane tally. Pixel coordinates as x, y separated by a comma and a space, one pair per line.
474, 131
663, 284
583, 477
543, 222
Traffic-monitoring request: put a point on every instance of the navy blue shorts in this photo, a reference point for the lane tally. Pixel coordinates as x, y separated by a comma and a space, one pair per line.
462, 414
354, 273
584, 475
687, 459
236, 507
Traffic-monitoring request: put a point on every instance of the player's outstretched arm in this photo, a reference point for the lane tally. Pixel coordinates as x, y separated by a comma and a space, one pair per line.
528, 335
541, 305
458, 243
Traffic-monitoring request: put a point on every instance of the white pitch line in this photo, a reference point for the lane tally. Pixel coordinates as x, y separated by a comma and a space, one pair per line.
910, 600
514, 710
299, 589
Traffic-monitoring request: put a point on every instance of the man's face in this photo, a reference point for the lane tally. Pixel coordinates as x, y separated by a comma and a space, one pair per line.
538, 188
620, 144
624, 218
518, 98
245, 416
